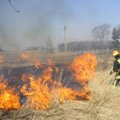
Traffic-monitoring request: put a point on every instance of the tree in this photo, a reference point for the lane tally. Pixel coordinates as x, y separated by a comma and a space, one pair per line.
10, 3
116, 37
101, 33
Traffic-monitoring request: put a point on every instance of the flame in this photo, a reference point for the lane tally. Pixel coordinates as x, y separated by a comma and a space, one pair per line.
8, 99
52, 64
83, 94
40, 90
32, 58
39, 96
37, 63
83, 67
64, 93
24, 56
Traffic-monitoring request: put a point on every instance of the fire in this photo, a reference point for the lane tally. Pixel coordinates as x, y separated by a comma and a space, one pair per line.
83, 67
8, 99
42, 89
64, 93
37, 63
24, 56
38, 94
32, 58
83, 94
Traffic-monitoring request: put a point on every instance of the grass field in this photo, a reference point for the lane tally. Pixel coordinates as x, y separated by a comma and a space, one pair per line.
104, 104
14, 59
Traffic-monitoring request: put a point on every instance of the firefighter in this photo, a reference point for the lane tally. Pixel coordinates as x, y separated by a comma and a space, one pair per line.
116, 67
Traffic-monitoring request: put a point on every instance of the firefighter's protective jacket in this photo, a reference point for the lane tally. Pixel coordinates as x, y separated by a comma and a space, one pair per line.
116, 66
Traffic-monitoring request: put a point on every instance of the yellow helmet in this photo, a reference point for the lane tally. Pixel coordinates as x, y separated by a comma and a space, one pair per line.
115, 52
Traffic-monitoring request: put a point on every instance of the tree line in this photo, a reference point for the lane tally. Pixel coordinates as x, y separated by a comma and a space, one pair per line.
103, 38
102, 33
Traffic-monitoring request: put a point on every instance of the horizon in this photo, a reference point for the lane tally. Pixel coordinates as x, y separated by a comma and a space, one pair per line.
40, 19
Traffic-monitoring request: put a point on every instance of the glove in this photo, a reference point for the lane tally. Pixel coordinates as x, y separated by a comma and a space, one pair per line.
111, 72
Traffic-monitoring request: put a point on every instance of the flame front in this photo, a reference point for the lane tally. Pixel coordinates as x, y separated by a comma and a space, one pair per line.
83, 67
40, 90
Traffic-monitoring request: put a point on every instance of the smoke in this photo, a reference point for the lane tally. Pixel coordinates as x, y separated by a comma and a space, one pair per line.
7, 37
32, 26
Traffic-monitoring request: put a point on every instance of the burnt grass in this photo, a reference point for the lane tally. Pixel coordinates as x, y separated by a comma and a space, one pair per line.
13, 77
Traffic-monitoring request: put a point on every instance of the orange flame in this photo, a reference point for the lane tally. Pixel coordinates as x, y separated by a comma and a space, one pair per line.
24, 56
83, 67
40, 90
39, 96
32, 58
64, 93
8, 99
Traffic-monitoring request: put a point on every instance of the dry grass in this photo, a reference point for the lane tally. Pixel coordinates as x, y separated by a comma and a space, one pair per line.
104, 105
13, 59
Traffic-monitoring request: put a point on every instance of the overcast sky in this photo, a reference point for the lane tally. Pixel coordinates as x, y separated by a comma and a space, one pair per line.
39, 19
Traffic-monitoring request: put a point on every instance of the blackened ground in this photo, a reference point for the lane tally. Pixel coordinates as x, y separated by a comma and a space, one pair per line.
13, 77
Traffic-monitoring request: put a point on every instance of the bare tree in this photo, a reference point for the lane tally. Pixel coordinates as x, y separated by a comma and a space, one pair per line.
101, 33
10, 3
116, 37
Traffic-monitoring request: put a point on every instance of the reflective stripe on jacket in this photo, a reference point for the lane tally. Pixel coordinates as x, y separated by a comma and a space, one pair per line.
118, 60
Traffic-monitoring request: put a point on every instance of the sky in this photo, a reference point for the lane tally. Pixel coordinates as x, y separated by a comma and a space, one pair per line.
40, 19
